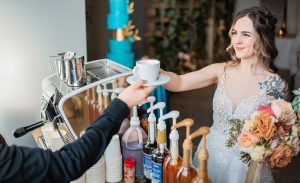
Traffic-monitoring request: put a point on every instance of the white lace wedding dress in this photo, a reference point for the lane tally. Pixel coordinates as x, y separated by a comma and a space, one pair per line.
224, 164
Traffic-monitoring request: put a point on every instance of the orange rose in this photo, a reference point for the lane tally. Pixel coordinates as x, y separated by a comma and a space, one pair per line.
246, 139
281, 156
263, 126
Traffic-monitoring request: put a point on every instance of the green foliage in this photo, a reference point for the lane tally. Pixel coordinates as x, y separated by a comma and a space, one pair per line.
296, 101
245, 157
234, 131
184, 30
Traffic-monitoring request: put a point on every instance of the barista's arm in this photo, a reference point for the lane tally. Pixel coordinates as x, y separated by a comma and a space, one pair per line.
22, 164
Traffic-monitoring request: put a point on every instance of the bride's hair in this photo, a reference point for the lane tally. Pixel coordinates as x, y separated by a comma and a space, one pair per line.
264, 24
2, 140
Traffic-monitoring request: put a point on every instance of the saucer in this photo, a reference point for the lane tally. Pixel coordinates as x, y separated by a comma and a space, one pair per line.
162, 79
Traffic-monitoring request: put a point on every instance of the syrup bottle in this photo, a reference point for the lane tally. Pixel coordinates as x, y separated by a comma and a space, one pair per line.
202, 176
173, 161
159, 154
186, 172
151, 144
132, 143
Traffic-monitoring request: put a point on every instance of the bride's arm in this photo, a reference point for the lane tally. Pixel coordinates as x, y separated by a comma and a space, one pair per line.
194, 80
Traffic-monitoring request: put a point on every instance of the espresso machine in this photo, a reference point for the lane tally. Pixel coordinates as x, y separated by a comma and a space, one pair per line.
70, 107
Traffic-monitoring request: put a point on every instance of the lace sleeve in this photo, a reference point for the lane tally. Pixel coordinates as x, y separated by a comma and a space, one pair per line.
276, 87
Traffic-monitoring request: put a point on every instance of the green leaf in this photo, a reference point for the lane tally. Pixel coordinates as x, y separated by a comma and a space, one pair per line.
234, 131
296, 92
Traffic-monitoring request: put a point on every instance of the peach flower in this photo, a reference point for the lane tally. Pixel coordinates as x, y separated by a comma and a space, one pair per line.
246, 139
281, 156
263, 126
283, 111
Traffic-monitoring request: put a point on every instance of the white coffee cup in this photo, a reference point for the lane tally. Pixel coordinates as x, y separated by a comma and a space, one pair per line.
147, 70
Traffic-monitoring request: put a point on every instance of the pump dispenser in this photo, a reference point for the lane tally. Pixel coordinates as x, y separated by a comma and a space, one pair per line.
151, 143
186, 172
132, 143
173, 162
159, 154
202, 176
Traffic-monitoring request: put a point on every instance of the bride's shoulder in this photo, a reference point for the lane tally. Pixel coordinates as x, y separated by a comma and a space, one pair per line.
275, 86
218, 67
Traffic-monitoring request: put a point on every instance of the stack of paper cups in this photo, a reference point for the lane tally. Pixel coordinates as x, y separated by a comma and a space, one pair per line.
79, 180
96, 174
113, 160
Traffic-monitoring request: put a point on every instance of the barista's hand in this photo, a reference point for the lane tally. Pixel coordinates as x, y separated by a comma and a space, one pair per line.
136, 93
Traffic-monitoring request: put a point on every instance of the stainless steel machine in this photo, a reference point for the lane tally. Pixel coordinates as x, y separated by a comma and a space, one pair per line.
75, 108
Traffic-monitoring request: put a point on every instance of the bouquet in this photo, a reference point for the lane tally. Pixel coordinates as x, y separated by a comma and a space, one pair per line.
271, 135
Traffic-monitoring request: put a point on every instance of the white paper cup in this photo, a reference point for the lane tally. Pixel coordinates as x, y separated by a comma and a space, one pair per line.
114, 170
79, 180
96, 174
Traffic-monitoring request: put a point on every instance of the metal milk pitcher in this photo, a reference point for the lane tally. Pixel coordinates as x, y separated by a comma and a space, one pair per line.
75, 71
60, 64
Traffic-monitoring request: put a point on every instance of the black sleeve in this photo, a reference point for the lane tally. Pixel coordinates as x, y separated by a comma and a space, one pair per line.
22, 164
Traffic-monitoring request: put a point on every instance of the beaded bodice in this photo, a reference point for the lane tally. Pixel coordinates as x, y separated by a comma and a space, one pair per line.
224, 109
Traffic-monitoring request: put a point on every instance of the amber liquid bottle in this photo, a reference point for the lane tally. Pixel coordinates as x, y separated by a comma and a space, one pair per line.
187, 172
202, 156
171, 165
173, 162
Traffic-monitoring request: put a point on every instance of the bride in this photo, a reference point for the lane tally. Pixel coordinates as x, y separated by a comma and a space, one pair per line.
250, 78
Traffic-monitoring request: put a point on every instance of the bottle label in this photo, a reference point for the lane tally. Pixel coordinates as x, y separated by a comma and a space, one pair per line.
147, 166
157, 173
129, 175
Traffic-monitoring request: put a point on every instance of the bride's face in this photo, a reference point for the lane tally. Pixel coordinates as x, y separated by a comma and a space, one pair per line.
243, 38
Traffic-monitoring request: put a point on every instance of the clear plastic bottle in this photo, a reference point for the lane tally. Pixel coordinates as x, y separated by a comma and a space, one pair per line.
132, 144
